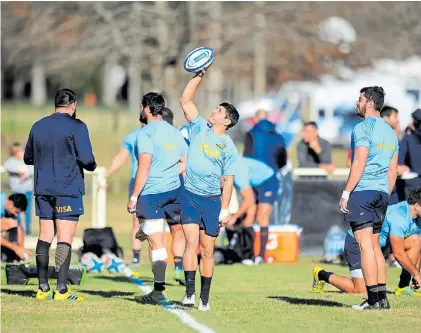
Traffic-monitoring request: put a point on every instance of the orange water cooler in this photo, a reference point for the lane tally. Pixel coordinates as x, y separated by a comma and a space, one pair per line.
283, 246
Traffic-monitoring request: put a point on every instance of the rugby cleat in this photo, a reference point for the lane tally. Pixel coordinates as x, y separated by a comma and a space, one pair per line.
384, 304
140, 235
154, 297
189, 301
135, 263
179, 276
407, 291
317, 284
365, 306
259, 261
44, 296
68, 296
248, 262
203, 307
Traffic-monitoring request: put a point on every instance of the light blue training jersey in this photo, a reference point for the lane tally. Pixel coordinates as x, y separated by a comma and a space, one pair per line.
129, 144
3, 198
376, 134
398, 222
210, 157
251, 172
166, 145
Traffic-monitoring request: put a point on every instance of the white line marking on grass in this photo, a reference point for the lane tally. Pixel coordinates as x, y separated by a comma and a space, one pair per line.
186, 319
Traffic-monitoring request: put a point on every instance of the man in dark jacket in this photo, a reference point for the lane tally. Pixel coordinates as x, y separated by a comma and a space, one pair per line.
264, 144
409, 154
59, 148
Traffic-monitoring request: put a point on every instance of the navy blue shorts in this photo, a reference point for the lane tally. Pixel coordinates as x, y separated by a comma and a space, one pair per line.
367, 209
63, 208
153, 206
172, 212
352, 253
267, 192
201, 210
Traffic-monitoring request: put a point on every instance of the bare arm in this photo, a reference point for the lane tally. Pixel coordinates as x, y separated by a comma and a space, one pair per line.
248, 201
392, 173
186, 100
227, 191
399, 253
357, 168
117, 162
142, 173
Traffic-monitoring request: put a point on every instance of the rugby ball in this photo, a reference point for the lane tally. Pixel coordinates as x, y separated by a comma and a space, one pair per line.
198, 59
113, 263
92, 263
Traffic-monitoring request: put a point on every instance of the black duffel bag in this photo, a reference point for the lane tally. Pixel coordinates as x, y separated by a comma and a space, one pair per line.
100, 241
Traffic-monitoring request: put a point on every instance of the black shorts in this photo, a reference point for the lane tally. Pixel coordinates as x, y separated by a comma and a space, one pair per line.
48, 207
367, 209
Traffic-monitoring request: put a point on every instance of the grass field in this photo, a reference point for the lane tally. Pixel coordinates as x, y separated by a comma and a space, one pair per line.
271, 298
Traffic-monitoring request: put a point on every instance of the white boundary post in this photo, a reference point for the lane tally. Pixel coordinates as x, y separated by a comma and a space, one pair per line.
101, 204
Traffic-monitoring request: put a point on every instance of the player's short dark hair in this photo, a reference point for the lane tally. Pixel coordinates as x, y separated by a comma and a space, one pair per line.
375, 94
65, 97
155, 102
387, 111
231, 114
415, 197
19, 201
168, 116
312, 124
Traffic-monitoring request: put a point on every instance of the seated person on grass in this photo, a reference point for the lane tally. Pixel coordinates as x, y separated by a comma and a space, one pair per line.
12, 246
401, 231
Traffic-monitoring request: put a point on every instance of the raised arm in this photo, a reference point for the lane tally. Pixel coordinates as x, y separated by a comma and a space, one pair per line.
186, 100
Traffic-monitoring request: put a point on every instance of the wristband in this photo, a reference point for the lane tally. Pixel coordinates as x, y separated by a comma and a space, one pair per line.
102, 182
133, 198
345, 195
223, 213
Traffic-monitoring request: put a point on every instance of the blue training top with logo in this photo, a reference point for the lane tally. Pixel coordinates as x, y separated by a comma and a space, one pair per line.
379, 137
166, 145
129, 144
398, 222
3, 198
251, 172
210, 157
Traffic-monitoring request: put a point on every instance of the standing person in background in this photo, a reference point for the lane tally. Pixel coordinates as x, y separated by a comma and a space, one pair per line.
390, 115
264, 144
21, 178
409, 154
127, 149
59, 148
313, 151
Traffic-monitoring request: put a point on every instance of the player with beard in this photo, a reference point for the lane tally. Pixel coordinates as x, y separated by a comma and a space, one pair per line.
365, 198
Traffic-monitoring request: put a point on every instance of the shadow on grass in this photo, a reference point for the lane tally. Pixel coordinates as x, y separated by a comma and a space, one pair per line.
171, 304
23, 293
342, 292
125, 279
106, 294
307, 301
